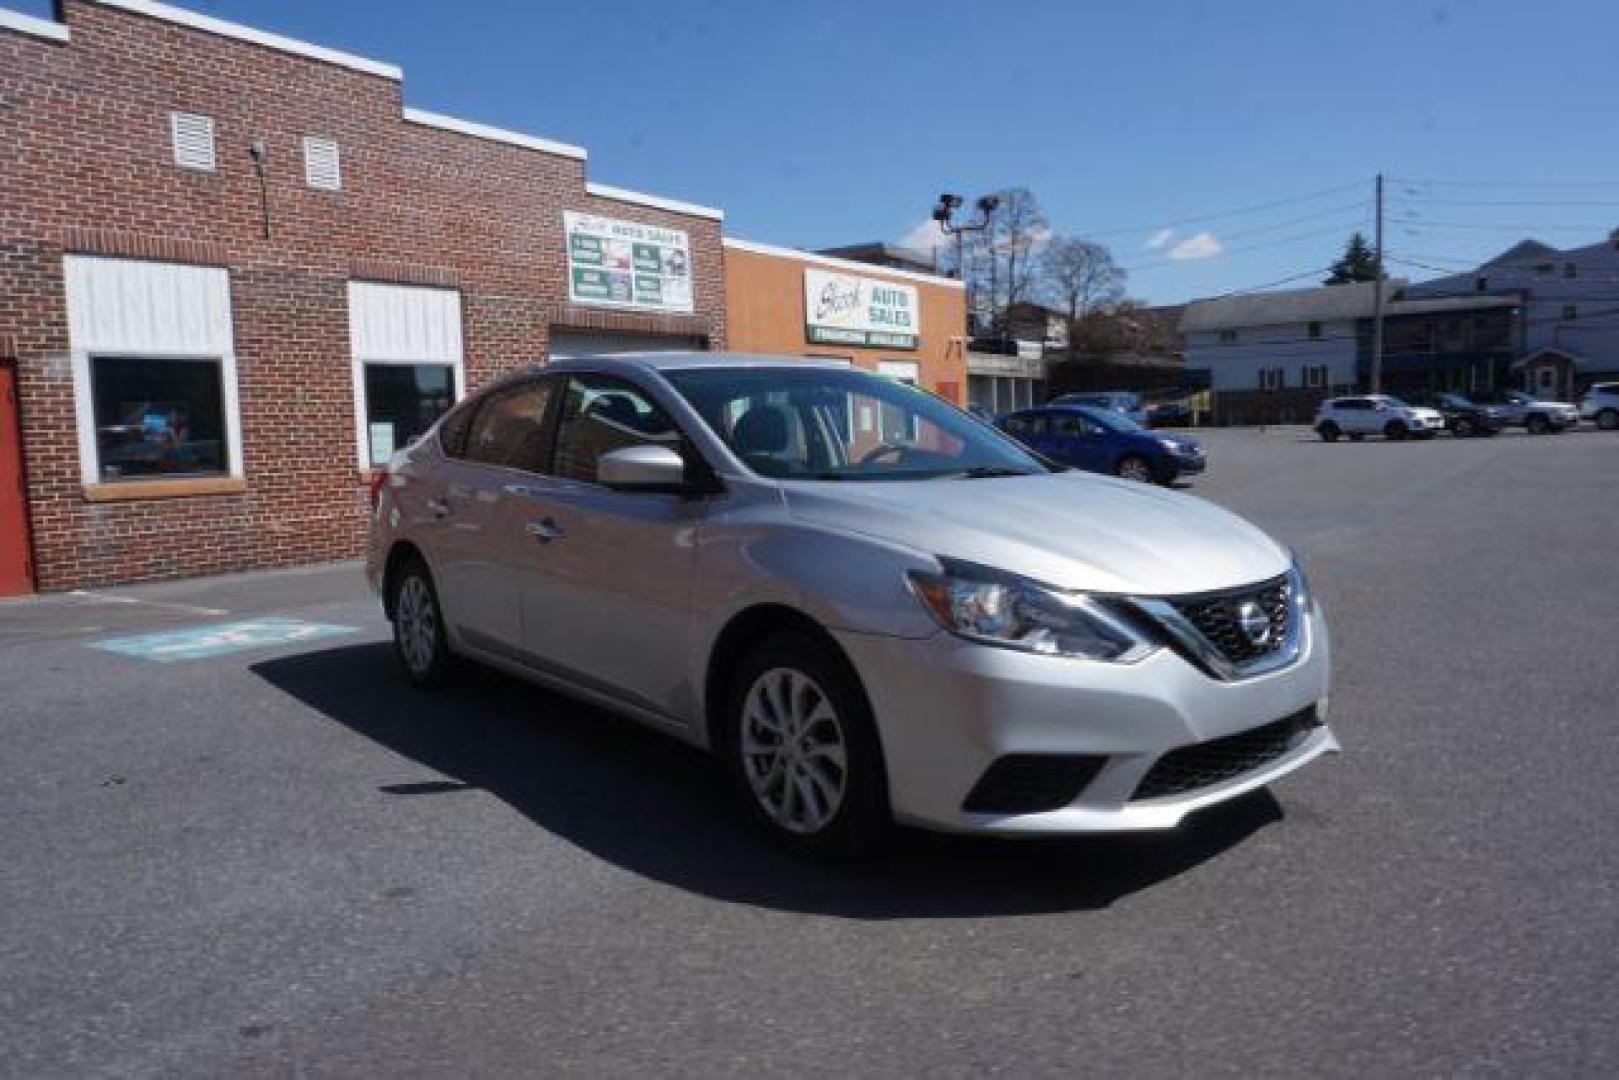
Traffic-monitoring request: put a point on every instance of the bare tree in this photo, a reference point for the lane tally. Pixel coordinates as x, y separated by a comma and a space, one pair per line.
1082, 275
1017, 230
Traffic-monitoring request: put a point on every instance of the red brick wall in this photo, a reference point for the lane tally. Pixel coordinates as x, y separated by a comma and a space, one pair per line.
86, 164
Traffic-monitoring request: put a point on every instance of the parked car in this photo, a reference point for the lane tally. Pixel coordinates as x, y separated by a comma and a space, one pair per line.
1376, 414
1102, 441
1120, 401
1529, 412
1601, 404
871, 607
1169, 414
1465, 418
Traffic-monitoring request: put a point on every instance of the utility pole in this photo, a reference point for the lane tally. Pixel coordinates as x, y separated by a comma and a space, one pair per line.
1377, 299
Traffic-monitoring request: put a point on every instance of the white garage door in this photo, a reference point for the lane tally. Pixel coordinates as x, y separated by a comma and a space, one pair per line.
572, 344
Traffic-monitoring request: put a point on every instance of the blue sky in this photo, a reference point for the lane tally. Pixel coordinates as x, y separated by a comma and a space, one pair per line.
825, 123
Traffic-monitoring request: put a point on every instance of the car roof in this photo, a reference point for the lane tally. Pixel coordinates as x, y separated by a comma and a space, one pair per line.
682, 361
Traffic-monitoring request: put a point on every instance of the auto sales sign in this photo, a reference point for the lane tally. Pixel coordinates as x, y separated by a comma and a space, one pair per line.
842, 309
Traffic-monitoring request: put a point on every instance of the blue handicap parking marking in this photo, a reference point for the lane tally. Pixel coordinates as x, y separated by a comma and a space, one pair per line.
218, 639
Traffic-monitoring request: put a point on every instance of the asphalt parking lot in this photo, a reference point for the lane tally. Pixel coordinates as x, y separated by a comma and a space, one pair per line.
259, 853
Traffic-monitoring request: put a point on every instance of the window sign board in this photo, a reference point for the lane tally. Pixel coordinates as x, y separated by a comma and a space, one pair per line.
845, 309
627, 264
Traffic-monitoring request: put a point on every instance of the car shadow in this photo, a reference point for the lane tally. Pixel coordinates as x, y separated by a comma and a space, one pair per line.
659, 808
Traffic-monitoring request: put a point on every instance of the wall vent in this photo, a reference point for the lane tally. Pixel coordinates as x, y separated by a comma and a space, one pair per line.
193, 140
322, 166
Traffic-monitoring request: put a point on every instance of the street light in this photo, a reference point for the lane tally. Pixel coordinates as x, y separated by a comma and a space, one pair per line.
947, 206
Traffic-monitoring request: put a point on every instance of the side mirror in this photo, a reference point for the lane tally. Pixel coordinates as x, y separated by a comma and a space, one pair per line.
642, 468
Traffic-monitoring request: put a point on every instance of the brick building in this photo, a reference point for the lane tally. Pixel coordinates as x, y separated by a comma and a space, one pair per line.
908, 325
236, 270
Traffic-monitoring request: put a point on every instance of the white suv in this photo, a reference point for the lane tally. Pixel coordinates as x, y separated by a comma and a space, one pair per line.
1601, 403
1376, 414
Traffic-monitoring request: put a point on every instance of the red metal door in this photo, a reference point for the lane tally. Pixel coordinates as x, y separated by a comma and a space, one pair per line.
16, 571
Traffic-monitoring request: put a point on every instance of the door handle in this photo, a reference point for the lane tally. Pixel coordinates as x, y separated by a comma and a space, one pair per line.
545, 530
438, 508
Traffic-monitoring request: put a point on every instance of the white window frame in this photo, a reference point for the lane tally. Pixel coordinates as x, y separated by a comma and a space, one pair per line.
1315, 376
449, 352
1272, 378
88, 342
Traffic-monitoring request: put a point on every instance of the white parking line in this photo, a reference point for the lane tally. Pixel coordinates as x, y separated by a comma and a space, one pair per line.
108, 598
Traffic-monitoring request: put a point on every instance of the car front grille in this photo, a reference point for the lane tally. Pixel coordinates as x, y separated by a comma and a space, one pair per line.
1206, 764
1219, 619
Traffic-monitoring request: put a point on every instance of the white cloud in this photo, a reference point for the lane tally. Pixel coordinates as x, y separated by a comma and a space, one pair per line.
1202, 246
1158, 239
924, 236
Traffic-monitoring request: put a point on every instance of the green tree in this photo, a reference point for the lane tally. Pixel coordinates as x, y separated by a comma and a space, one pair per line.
1358, 263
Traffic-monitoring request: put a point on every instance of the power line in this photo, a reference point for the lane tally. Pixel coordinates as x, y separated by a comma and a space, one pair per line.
1314, 234
1505, 183
1221, 215
1429, 201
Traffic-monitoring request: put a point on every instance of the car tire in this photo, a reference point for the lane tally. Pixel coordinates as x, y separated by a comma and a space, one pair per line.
1395, 430
1608, 419
421, 642
1356, 436
793, 686
1537, 425
1329, 432
1134, 467
1464, 428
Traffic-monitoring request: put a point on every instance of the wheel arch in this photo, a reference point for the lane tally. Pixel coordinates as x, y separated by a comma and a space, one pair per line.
744, 629
402, 552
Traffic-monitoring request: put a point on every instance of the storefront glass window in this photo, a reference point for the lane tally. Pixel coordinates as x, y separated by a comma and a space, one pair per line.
158, 418
401, 402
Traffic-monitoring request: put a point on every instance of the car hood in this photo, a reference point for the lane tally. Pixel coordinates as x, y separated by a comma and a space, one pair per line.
1073, 530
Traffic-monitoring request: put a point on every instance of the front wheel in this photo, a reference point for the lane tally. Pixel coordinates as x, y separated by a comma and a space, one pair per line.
1464, 428
1134, 467
1537, 425
802, 748
1328, 431
1608, 419
420, 641
1396, 430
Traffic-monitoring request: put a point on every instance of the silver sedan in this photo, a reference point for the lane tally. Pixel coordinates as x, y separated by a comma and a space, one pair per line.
873, 607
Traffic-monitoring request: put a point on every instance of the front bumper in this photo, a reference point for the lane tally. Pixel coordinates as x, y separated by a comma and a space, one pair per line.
947, 710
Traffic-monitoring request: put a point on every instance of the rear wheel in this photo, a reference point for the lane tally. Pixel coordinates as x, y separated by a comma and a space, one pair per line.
1608, 419
1134, 467
1537, 424
1464, 428
1356, 436
802, 748
1328, 431
418, 624
1395, 430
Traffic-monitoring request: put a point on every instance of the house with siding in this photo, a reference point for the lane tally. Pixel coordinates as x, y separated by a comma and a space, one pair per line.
1274, 357
1569, 333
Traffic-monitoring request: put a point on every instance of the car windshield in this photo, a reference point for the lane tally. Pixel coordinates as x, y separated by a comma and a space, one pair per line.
1394, 401
1113, 421
817, 423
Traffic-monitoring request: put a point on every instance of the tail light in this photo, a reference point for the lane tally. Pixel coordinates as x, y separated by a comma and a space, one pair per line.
378, 478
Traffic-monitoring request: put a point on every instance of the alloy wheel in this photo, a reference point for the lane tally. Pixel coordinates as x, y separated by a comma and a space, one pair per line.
794, 753
416, 623
1133, 468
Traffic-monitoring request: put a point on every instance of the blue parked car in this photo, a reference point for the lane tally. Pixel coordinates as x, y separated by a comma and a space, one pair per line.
1104, 441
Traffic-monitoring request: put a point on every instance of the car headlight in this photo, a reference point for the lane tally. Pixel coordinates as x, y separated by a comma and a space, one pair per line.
996, 608
1303, 593
1172, 446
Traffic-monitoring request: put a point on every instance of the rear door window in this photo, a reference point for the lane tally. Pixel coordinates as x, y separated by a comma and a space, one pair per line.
512, 427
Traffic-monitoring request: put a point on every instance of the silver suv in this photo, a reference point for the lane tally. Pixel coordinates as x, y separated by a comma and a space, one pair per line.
1601, 403
872, 606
